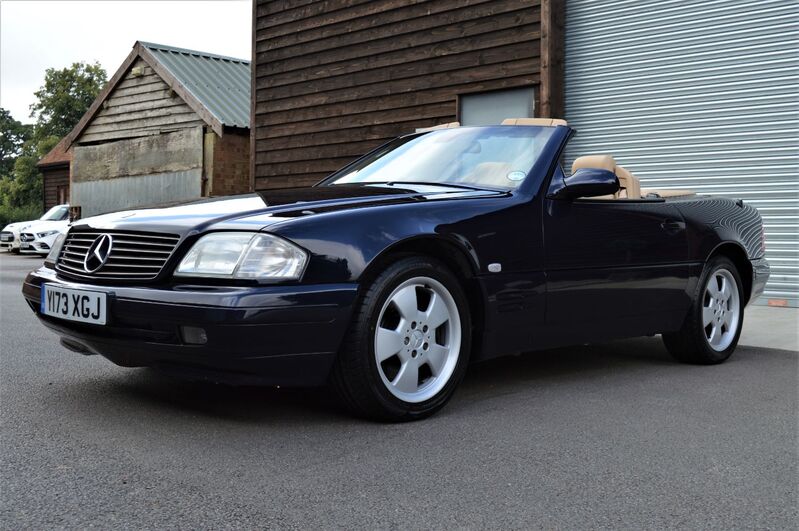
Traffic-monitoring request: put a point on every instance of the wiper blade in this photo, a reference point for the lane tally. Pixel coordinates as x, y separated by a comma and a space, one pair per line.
429, 183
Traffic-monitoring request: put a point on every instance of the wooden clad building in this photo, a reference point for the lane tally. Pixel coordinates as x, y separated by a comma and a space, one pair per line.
55, 170
171, 125
332, 80
685, 94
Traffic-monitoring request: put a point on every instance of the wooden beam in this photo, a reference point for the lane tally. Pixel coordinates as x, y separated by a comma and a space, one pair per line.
253, 73
552, 92
184, 93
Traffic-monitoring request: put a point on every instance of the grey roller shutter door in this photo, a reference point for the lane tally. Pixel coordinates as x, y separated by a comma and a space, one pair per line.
695, 94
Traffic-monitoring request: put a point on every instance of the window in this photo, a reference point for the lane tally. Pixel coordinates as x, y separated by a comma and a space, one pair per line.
57, 213
493, 157
490, 108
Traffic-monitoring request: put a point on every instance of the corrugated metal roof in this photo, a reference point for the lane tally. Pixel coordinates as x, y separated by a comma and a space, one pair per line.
221, 84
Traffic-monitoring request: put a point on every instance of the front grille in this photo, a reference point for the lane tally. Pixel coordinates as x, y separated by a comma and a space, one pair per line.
133, 255
26, 237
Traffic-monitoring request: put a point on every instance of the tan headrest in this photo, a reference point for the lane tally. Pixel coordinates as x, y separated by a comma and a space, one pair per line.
629, 182
449, 125
623, 173
602, 162
540, 122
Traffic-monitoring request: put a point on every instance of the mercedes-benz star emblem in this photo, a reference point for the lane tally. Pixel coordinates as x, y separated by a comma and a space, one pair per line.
98, 253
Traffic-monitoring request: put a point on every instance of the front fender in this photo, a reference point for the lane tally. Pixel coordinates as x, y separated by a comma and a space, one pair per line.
344, 244
451, 247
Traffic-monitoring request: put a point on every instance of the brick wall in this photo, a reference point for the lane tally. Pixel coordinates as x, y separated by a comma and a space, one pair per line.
231, 164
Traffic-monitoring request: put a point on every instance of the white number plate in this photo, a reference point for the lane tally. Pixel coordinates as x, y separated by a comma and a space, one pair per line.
74, 304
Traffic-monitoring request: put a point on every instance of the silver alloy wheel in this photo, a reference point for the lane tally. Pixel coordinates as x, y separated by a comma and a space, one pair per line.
417, 339
721, 309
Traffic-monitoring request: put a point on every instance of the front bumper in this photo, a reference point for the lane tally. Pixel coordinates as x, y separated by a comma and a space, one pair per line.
760, 273
276, 335
9, 240
34, 247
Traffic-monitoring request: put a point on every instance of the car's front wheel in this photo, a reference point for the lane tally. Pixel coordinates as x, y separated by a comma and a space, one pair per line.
713, 325
408, 344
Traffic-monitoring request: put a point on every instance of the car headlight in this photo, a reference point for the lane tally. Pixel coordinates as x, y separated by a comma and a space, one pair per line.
55, 250
243, 255
46, 233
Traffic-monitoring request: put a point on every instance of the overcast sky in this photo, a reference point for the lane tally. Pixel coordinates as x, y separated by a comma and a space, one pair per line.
36, 35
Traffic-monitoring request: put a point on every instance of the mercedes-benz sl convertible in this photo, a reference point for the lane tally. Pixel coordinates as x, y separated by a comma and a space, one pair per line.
389, 277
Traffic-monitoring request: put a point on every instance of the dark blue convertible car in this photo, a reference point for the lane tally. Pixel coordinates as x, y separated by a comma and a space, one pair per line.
387, 278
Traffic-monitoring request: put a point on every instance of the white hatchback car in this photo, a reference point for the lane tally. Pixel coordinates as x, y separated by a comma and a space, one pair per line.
9, 237
37, 236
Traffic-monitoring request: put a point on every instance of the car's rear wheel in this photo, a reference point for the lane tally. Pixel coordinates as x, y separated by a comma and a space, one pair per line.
713, 325
408, 345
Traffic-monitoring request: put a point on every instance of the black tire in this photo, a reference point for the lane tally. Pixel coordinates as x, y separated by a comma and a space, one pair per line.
356, 378
690, 343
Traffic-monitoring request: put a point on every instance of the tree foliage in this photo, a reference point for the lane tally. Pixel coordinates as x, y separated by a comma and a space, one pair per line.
13, 136
65, 96
60, 103
24, 185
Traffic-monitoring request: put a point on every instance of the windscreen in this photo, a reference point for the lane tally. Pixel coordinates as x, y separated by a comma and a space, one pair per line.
491, 157
57, 213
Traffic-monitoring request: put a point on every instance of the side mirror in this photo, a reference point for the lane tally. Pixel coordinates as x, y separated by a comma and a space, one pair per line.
586, 182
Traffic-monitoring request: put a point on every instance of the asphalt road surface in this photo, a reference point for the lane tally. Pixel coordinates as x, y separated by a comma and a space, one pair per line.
608, 436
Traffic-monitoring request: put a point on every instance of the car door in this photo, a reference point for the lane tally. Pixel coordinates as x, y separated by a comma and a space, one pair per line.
615, 268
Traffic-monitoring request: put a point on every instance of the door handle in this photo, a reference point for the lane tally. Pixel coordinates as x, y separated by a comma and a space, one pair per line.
672, 225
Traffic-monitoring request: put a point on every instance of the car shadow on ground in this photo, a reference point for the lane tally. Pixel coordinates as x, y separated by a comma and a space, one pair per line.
155, 391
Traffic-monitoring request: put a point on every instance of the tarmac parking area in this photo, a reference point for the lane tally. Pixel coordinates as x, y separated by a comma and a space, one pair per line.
607, 436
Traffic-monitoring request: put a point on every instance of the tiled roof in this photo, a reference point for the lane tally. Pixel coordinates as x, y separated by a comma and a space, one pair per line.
58, 155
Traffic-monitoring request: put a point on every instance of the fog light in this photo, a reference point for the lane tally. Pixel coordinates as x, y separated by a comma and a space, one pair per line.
193, 335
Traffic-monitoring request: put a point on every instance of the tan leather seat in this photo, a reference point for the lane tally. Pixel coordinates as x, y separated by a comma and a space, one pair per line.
601, 162
630, 184
664, 193
540, 122
490, 173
